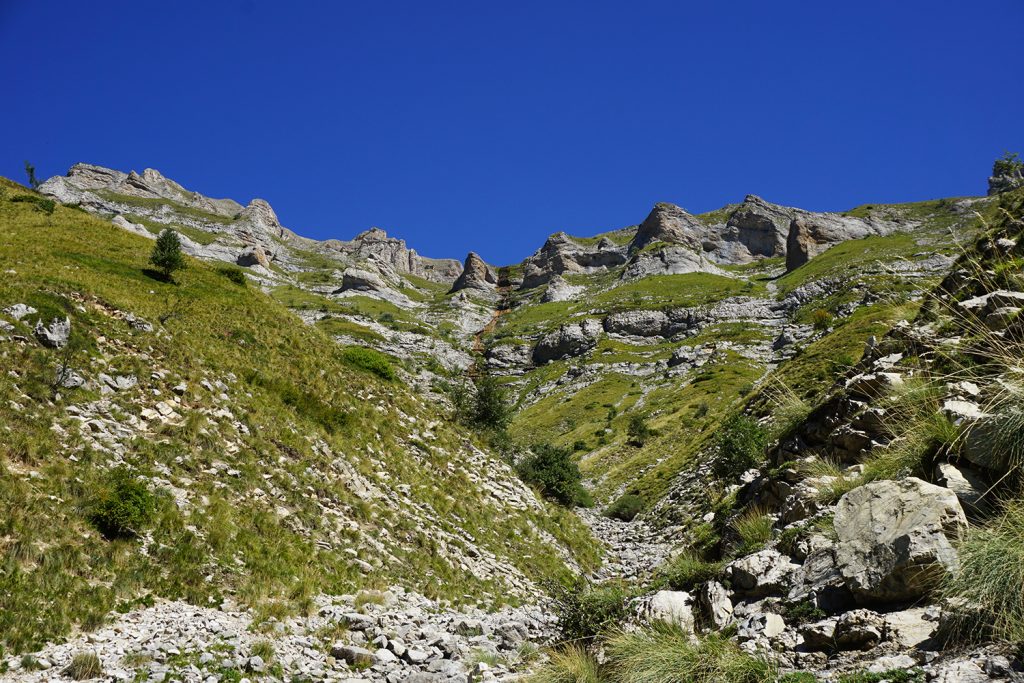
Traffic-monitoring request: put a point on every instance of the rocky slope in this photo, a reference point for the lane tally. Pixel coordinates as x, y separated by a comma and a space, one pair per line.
636, 349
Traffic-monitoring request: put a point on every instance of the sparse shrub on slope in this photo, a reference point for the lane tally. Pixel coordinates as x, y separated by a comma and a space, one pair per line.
370, 360
625, 507
123, 507
740, 445
234, 274
555, 473
586, 611
493, 407
666, 654
638, 430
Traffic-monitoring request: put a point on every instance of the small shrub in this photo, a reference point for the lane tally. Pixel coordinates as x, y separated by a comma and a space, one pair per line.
43, 204
555, 473
667, 654
740, 444
166, 254
83, 666
638, 431
754, 528
33, 182
234, 274
586, 611
802, 612
579, 445
569, 664
370, 360
687, 571
821, 319
492, 407
123, 507
625, 508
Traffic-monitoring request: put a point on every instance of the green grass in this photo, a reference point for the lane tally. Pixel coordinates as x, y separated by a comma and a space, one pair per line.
754, 528
665, 654
157, 203
991, 579
156, 227
302, 424
568, 664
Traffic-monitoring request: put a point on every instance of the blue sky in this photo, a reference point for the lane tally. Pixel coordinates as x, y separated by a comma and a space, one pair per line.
488, 125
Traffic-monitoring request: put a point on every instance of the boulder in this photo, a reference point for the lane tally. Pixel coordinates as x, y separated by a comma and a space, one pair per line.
353, 655
764, 573
253, 256
637, 323
894, 538
56, 334
859, 629
506, 356
362, 280
669, 607
19, 311
968, 486
568, 341
715, 605
559, 289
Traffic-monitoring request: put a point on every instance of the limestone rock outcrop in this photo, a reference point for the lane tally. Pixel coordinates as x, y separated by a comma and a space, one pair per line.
895, 538
476, 274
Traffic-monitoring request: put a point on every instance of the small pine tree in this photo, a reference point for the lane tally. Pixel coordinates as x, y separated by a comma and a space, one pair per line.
167, 254
30, 171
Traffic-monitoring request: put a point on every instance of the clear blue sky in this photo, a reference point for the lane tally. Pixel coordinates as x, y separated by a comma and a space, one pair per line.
488, 125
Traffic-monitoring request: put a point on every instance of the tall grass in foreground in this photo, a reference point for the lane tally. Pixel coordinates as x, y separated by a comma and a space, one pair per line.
665, 654
990, 583
571, 664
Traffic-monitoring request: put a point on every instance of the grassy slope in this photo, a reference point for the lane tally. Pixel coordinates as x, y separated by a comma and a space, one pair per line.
283, 525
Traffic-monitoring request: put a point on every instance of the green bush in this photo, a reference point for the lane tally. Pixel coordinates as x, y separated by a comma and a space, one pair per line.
370, 360
740, 444
625, 508
43, 204
555, 473
666, 654
492, 407
638, 431
123, 506
687, 570
586, 611
234, 274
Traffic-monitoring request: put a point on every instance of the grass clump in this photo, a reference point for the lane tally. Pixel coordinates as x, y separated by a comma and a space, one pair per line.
83, 666
569, 664
123, 507
740, 445
553, 470
754, 527
370, 360
665, 654
625, 507
991, 577
891, 676
688, 570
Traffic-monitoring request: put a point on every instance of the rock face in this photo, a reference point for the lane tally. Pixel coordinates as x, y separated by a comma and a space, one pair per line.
559, 289
894, 538
375, 243
567, 341
561, 254
670, 224
475, 275
760, 226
